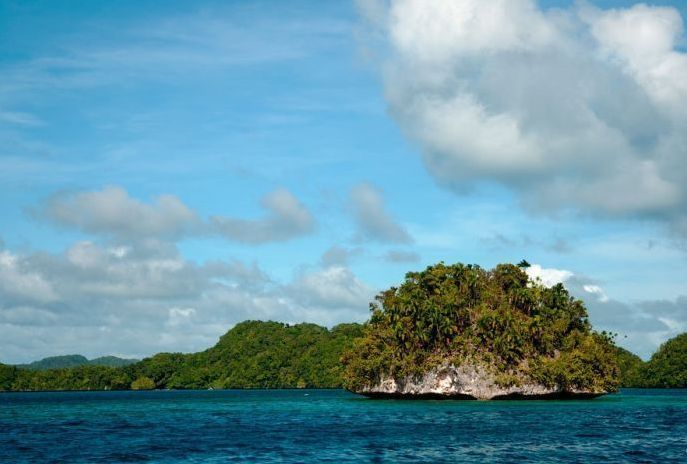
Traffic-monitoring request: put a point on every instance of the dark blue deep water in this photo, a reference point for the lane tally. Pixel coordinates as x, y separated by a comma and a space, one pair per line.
335, 426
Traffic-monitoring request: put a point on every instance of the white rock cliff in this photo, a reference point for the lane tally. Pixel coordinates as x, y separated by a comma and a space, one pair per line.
465, 382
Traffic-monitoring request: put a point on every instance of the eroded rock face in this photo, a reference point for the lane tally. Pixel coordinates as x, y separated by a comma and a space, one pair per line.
465, 382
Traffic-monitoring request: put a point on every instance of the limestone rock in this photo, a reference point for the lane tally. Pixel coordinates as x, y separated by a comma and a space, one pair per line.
465, 382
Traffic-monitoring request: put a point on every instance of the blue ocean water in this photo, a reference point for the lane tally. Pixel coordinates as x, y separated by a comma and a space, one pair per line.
335, 426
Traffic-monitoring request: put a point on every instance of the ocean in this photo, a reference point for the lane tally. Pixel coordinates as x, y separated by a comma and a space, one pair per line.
315, 426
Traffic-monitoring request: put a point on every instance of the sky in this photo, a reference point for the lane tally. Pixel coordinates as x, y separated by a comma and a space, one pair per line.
168, 169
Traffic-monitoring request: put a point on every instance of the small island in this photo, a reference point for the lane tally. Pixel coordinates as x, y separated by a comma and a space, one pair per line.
455, 331
463, 332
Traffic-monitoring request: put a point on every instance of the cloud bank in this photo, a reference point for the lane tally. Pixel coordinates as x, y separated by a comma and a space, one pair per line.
95, 300
578, 108
130, 289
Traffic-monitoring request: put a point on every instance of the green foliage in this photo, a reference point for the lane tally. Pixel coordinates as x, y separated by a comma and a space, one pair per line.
75, 378
589, 365
498, 318
112, 361
667, 368
251, 355
75, 360
632, 368
143, 383
274, 355
8, 375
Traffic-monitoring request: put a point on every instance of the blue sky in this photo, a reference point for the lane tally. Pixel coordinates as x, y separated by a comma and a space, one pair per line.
307, 158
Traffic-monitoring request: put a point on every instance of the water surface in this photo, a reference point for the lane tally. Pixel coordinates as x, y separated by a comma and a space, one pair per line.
315, 426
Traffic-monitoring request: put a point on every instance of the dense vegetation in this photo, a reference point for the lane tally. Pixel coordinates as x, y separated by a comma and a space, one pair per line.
75, 360
499, 319
667, 368
461, 312
251, 355
631, 368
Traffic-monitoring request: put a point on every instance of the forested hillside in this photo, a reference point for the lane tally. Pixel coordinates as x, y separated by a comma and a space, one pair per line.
253, 354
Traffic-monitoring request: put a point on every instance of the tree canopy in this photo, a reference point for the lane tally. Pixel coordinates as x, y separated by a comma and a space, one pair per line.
667, 368
499, 318
253, 354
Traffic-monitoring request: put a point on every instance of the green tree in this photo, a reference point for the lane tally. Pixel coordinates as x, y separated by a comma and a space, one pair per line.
667, 368
497, 318
143, 383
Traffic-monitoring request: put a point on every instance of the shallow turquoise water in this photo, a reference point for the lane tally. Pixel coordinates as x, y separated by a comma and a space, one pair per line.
336, 426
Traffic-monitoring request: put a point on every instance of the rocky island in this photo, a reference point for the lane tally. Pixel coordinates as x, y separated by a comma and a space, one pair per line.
463, 332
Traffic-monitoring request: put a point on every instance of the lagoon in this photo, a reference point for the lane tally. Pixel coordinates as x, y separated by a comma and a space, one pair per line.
309, 426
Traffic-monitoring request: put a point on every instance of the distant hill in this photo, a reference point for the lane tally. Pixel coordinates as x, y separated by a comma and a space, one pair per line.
257, 354
631, 368
76, 360
667, 368
252, 354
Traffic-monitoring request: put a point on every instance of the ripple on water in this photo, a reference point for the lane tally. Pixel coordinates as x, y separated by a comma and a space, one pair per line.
335, 426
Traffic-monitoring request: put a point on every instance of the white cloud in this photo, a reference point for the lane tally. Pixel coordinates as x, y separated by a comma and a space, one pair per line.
577, 108
641, 326
287, 218
644, 39
111, 211
597, 291
548, 276
436, 31
372, 218
334, 287
94, 300
114, 214
180, 316
20, 281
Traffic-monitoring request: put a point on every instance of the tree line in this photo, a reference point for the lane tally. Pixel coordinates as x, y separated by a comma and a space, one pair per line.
253, 354
456, 313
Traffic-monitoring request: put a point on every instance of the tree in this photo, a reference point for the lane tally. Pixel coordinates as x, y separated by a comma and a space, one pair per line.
143, 383
497, 318
667, 368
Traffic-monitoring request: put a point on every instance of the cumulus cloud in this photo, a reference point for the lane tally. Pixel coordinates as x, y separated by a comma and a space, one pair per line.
98, 299
18, 281
641, 325
372, 218
287, 218
113, 213
578, 108
334, 289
